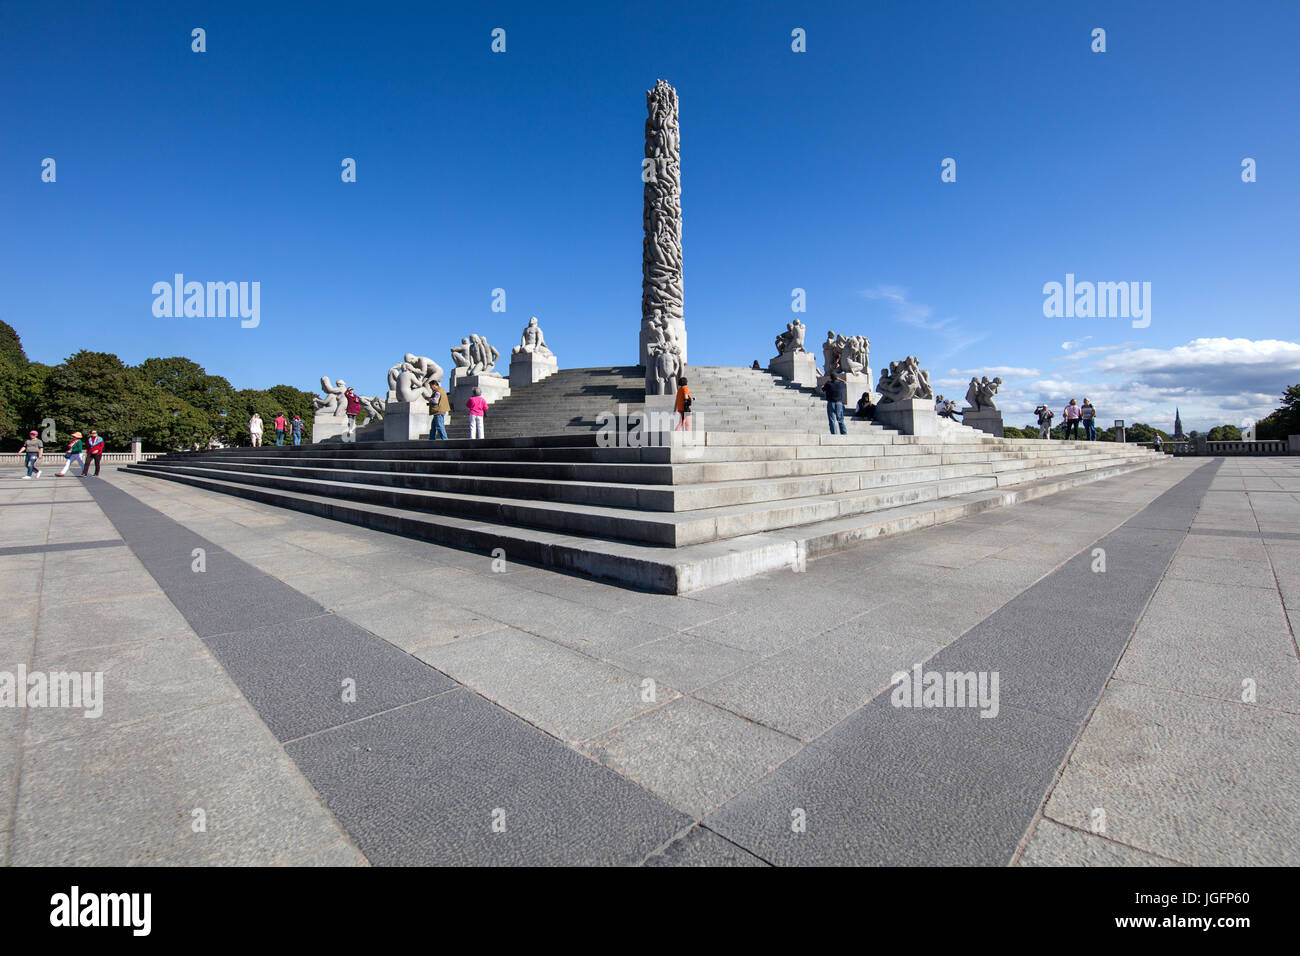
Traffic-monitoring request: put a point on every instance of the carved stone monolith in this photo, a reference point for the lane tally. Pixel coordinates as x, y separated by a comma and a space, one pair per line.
662, 297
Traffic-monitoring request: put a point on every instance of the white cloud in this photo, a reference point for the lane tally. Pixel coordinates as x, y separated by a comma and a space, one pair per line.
1211, 381
1067, 346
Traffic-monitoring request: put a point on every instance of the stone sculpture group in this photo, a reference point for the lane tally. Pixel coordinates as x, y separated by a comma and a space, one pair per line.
846, 356
411, 380
904, 381
475, 357
331, 412
979, 395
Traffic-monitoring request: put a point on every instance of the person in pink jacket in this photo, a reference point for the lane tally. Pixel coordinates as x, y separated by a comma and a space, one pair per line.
476, 405
1072, 416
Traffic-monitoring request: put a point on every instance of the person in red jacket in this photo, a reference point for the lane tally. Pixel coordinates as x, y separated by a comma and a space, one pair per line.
94, 452
354, 409
280, 424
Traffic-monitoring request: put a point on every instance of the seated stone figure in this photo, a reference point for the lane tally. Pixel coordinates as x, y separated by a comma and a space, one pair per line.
533, 341
332, 405
460, 354
791, 340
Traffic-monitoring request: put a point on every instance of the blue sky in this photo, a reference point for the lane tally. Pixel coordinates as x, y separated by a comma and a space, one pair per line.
521, 171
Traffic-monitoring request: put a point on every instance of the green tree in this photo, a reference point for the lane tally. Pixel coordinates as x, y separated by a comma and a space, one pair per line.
1283, 421
1139, 431
1224, 433
13, 379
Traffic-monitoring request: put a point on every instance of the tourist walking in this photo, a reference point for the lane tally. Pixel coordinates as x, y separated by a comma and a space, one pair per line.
280, 425
682, 405
1045, 416
837, 393
33, 448
296, 426
1088, 414
440, 405
477, 406
94, 452
255, 430
1072, 419
72, 454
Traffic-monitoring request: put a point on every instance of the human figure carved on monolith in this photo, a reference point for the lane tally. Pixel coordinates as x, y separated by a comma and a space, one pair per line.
664, 363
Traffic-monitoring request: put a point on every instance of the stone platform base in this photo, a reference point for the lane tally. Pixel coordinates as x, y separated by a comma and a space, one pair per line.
797, 367
527, 368
407, 421
494, 388
330, 429
988, 420
916, 416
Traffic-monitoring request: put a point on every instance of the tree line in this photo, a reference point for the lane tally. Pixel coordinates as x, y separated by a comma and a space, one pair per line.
174, 403
170, 403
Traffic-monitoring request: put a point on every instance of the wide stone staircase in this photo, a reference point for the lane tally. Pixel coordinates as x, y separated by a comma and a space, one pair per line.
726, 399
710, 507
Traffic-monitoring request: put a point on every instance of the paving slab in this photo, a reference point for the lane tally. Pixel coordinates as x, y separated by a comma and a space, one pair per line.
424, 785
702, 847
74, 808
559, 690
1224, 773
692, 755
902, 787
305, 676
140, 680
1055, 845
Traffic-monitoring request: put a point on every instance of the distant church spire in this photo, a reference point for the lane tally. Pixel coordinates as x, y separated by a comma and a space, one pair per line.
1178, 424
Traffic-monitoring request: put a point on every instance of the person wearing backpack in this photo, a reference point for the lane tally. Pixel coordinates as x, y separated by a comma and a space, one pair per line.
297, 426
682, 405
94, 452
1045, 416
1088, 415
72, 454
